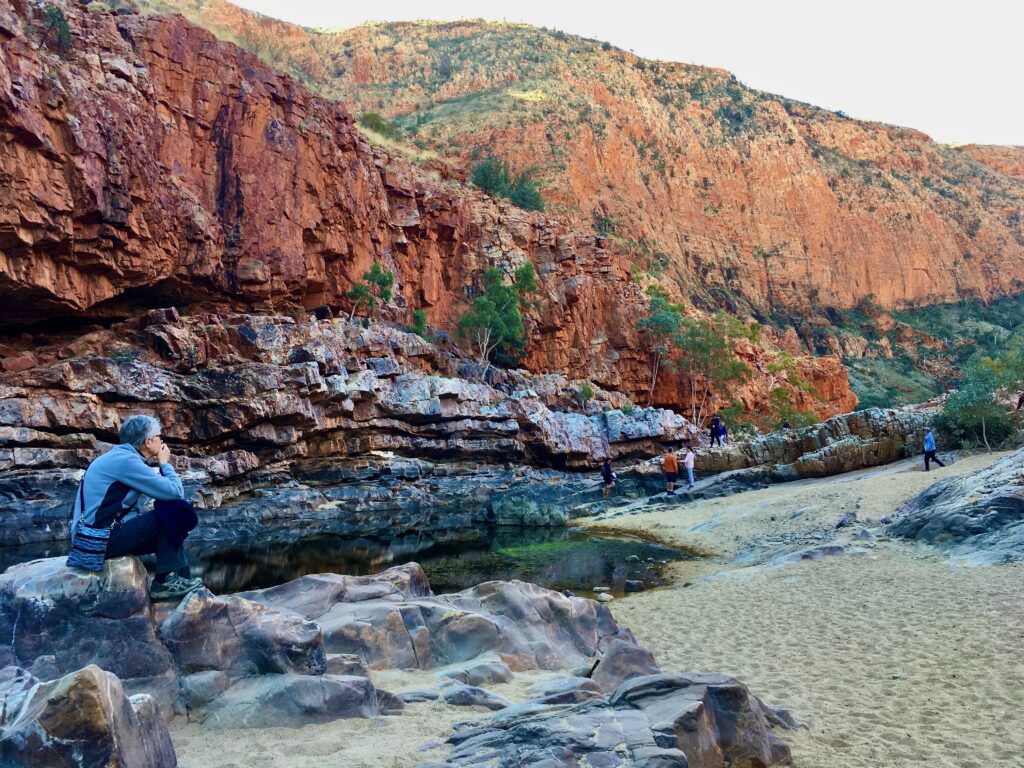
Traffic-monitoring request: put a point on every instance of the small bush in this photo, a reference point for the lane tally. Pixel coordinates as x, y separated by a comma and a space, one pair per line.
628, 408
984, 423
494, 177
378, 124
584, 393
419, 324
124, 355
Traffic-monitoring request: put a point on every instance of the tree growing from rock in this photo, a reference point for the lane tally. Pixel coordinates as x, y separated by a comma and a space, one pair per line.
659, 328
493, 325
706, 355
55, 23
975, 414
377, 285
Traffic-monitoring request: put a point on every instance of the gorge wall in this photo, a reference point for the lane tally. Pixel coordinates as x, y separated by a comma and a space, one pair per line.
152, 165
736, 198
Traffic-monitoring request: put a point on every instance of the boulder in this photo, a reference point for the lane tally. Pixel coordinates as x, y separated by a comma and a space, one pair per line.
622, 660
81, 720
241, 638
55, 620
459, 695
291, 700
979, 515
393, 621
677, 721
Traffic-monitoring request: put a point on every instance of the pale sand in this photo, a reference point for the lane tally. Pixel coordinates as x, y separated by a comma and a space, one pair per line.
894, 658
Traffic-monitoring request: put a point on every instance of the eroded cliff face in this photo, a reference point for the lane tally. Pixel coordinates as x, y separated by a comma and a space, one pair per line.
154, 165
744, 200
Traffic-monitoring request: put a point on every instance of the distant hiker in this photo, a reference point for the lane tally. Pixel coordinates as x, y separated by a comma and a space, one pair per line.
713, 427
671, 466
721, 434
929, 451
609, 478
688, 460
1020, 401
113, 488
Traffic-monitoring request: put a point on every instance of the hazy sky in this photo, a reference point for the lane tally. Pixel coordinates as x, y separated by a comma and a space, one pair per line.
952, 70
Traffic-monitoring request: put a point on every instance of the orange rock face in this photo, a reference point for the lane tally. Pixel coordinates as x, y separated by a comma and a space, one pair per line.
746, 200
157, 165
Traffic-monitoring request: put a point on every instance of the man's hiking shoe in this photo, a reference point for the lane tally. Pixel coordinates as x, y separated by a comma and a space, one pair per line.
174, 588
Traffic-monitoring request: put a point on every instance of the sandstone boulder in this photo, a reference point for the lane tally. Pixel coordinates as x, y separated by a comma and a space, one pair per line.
55, 620
978, 515
81, 720
677, 721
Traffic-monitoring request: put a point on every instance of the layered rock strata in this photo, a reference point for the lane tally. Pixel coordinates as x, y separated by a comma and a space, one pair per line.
841, 444
313, 425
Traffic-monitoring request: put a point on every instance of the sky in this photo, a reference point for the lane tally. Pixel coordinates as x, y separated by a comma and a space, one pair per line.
952, 70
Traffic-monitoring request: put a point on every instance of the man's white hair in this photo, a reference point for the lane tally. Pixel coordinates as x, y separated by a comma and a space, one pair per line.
138, 429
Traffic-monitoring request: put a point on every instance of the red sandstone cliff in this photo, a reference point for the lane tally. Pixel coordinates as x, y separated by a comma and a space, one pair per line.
154, 165
745, 200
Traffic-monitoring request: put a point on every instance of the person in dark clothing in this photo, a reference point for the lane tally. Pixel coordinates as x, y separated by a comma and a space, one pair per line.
930, 451
713, 427
108, 521
1020, 401
609, 477
721, 434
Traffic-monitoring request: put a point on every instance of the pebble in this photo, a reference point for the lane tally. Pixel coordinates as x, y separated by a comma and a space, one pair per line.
600, 589
633, 559
604, 597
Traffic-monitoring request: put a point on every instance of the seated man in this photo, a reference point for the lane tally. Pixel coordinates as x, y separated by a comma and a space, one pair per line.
112, 488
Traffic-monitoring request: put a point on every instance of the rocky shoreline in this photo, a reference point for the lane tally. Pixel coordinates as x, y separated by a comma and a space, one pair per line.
300, 653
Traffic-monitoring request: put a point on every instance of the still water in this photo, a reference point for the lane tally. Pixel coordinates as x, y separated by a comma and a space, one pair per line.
557, 558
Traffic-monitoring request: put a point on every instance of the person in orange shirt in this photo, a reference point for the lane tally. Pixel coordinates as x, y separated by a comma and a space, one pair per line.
671, 466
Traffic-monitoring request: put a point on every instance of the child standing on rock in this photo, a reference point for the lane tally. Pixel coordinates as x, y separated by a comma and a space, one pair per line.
688, 460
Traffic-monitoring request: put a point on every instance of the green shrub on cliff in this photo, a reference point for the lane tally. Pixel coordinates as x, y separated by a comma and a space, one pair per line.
975, 414
494, 177
378, 124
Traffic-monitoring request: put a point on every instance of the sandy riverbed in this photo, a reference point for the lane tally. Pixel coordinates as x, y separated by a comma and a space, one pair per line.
897, 657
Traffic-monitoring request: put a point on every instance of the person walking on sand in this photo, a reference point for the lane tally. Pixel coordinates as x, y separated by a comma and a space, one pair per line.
609, 477
108, 520
671, 466
930, 450
688, 460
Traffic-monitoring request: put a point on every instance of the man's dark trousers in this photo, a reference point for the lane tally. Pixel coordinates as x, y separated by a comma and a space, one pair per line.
143, 535
930, 455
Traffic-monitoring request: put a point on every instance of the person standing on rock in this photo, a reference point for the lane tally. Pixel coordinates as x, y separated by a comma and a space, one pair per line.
930, 451
670, 464
688, 461
721, 434
113, 488
713, 427
609, 478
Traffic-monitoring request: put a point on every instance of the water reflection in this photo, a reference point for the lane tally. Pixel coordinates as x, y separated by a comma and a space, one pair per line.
557, 558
